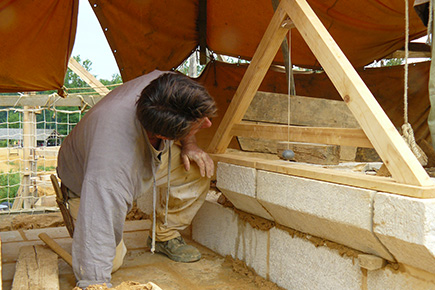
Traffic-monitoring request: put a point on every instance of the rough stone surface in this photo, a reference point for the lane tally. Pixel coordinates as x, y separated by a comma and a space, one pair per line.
220, 230
216, 228
296, 263
370, 262
390, 279
239, 185
339, 213
406, 226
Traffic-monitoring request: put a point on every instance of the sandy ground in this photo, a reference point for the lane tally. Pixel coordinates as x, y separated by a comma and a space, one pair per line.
12, 159
140, 266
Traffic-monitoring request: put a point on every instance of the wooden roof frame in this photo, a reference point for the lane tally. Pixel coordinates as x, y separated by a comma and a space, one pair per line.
393, 150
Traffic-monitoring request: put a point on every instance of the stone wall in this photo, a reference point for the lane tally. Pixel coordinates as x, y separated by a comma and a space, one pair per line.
321, 235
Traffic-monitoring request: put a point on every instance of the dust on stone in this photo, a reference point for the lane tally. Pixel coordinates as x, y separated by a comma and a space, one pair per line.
246, 272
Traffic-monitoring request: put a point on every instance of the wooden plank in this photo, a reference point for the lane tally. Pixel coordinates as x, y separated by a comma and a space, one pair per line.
304, 111
36, 268
251, 81
56, 248
45, 100
311, 152
393, 150
324, 135
88, 77
378, 183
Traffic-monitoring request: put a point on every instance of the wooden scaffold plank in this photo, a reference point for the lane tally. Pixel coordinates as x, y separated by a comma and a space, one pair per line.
36, 268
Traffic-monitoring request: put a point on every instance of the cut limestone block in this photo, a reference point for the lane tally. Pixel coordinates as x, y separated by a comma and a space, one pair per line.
272, 108
239, 185
387, 278
339, 213
295, 260
221, 230
36, 268
367, 155
312, 153
258, 145
370, 262
406, 226
296, 263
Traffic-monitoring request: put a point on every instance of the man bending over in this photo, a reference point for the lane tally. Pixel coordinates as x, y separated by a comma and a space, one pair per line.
139, 139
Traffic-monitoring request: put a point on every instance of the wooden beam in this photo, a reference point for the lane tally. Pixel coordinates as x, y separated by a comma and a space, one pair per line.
411, 54
251, 81
36, 268
56, 248
324, 135
304, 111
44, 100
202, 31
88, 77
312, 153
378, 183
390, 146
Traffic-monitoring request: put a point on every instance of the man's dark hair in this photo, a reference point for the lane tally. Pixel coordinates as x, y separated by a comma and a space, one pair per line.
171, 104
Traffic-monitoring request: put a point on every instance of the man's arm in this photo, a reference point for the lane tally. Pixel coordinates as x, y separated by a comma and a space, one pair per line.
191, 151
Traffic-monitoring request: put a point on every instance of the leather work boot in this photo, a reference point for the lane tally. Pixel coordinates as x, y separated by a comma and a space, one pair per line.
177, 250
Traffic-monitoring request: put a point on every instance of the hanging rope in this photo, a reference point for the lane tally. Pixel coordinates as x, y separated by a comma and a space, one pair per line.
407, 132
429, 24
290, 88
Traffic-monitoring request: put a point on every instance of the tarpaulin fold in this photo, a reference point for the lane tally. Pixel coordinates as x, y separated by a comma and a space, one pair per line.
37, 38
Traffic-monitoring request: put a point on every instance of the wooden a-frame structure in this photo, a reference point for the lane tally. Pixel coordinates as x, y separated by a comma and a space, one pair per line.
408, 176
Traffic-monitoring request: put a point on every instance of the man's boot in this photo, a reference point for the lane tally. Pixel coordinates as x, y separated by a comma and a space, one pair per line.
177, 250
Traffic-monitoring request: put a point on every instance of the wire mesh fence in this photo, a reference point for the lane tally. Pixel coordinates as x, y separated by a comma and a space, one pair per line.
30, 137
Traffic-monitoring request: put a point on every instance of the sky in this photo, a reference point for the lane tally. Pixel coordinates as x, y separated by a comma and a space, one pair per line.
91, 44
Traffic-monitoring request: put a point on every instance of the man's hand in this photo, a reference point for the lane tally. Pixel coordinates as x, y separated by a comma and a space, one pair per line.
191, 151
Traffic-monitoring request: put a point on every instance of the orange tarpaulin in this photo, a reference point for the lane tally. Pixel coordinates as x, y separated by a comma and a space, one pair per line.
148, 35
365, 30
37, 36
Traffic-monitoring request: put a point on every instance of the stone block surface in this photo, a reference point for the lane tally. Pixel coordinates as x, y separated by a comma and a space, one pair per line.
296, 263
221, 230
388, 278
339, 213
239, 185
216, 228
406, 226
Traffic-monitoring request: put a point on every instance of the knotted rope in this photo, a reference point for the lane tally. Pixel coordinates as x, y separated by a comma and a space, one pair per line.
407, 132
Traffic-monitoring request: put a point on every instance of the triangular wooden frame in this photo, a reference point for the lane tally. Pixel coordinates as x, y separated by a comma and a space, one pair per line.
395, 153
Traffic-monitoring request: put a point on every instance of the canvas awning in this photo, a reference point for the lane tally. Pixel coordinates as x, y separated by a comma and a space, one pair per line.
37, 37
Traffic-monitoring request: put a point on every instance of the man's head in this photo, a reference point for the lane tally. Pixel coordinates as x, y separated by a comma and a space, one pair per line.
173, 105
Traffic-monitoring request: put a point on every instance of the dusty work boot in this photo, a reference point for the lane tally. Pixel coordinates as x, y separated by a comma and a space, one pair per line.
177, 250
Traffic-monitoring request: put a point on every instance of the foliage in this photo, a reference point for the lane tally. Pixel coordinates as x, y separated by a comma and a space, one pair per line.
46, 168
387, 62
9, 185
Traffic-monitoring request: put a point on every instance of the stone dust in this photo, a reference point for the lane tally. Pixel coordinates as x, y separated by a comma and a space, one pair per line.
246, 272
320, 242
128, 285
256, 222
